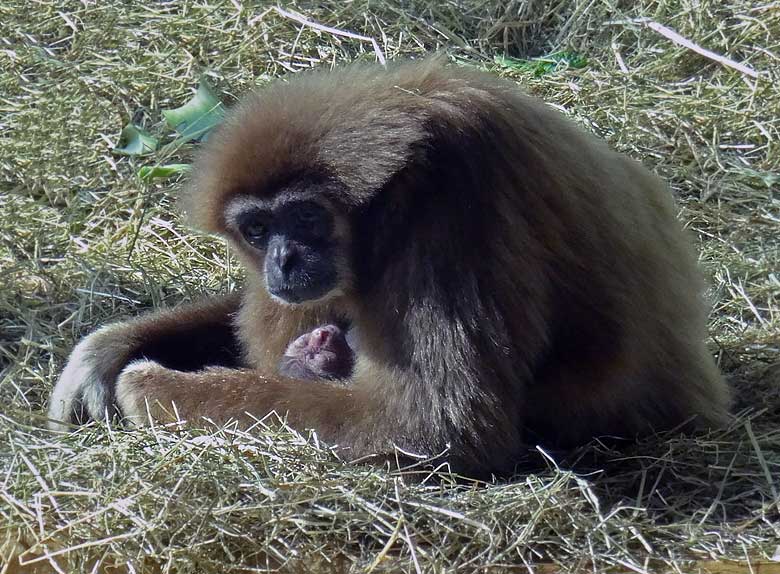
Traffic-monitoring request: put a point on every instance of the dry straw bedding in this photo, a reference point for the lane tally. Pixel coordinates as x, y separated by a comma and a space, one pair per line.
83, 241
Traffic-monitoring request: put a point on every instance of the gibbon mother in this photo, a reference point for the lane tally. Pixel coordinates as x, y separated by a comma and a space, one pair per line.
509, 280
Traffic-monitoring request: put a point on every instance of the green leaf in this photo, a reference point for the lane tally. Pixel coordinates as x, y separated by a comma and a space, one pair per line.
543, 65
197, 117
148, 173
511, 63
571, 59
135, 141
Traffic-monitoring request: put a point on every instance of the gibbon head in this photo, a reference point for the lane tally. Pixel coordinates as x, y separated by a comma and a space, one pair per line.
317, 180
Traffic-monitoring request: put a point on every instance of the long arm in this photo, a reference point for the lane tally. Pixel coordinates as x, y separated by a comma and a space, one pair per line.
366, 420
340, 415
187, 338
187, 362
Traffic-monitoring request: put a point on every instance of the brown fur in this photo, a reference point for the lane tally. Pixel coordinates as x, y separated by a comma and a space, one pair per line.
513, 280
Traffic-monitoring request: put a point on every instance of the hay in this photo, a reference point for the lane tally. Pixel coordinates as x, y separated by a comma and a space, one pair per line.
83, 241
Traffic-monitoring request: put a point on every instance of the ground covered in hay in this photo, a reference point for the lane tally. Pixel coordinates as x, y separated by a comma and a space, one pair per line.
83, 241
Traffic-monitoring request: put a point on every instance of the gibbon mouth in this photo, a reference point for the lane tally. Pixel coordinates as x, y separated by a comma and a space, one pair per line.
301, 285
287, 295
297, 295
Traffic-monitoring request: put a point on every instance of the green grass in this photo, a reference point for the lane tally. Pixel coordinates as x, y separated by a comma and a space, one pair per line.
83, 240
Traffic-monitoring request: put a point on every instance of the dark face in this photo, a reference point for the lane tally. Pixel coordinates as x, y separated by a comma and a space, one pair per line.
298, 243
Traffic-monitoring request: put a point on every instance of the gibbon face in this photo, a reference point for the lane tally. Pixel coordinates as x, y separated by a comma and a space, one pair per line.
294, 239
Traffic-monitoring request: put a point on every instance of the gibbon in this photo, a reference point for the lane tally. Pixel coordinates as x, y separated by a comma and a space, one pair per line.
509, 280
324, 353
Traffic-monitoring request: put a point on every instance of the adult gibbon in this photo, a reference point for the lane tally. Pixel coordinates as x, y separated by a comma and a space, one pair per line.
508, 279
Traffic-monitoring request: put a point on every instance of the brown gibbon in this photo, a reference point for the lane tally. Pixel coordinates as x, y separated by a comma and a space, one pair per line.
508, 279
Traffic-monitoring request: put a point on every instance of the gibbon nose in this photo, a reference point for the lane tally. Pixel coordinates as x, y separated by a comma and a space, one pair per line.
285, 256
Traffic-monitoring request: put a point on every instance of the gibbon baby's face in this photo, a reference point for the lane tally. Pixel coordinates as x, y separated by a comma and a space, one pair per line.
297, 241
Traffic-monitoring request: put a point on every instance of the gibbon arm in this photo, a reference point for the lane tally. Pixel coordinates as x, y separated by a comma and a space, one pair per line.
340, 415
186, 338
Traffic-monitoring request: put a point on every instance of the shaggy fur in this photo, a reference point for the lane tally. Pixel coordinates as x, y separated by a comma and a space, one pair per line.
513, 281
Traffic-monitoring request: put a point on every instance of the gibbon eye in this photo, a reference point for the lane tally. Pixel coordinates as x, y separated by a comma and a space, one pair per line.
308, 215
254, 230
311, 220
